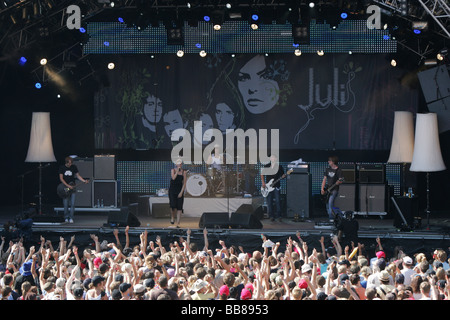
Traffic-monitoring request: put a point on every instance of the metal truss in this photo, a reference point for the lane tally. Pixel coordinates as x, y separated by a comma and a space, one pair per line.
439, 10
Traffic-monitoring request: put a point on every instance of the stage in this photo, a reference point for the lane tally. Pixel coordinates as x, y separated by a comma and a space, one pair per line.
424, 238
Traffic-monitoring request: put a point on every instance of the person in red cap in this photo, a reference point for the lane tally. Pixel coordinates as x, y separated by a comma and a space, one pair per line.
224, 292
246, 294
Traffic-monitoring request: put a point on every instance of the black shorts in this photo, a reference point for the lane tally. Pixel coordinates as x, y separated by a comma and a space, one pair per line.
175, 202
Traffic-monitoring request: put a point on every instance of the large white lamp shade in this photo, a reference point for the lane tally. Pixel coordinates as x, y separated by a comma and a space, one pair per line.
40, 148
402, 146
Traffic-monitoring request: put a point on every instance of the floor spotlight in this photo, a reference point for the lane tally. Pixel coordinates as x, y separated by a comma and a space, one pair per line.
320, 52
393, 62
111, 66
202, 53
43, 62
217, 27
311, 4
254, 26
180, 53
298, 52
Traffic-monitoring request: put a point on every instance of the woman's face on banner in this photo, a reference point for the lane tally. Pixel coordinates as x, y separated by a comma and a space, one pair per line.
259, 93
224, 116
207, 123
172, 121
153, 109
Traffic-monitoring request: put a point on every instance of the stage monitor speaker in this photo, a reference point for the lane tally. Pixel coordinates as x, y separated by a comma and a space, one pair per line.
85, 167
123, 218
83, 196
298, 195
104, 191
244, 221
160, 210
219, 220
348, 172
372, 198
249, 209
371, 173
346, 199
105, 167
409, 208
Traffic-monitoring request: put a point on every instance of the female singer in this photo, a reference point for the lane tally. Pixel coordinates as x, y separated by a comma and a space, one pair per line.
176, 191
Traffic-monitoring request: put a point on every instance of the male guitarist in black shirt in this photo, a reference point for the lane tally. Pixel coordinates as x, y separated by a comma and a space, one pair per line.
68, 173
332, 178
275, 193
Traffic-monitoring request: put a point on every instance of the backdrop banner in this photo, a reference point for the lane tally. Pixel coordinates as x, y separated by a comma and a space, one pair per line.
335, 101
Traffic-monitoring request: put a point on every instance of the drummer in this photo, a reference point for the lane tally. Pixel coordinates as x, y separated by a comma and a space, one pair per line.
215, 160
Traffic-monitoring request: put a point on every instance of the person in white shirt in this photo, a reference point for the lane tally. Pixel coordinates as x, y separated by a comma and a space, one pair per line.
407, 270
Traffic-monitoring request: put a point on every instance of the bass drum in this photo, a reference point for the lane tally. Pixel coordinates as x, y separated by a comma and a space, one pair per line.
196, 185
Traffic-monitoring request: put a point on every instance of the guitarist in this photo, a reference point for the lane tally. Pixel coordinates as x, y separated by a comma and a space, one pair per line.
274, 194
332, 175
68, 173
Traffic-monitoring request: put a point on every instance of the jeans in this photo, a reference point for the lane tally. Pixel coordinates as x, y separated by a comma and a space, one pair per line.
68, 214
330, 203
275, 194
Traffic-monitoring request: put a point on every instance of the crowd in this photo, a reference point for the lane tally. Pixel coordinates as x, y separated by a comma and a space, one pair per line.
180, 270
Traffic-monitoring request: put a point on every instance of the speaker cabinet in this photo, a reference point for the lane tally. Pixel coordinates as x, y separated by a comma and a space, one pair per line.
244, 221
85, 167
249, 209
106, 191
371, 173
123, 218
346, 199
218, 220
104, 167
372, 198
348, 172
84, 195
160, 210
298, 195
409, 207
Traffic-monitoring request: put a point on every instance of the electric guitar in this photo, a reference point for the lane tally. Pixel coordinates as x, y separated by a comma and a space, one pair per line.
328, 190
64, 191
269, 185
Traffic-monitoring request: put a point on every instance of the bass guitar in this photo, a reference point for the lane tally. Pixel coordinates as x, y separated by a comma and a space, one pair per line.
64, 191
330, 189
269, 185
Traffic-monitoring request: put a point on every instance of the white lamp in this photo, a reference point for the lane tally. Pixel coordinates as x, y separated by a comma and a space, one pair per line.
427, 155
40, 148
402, 146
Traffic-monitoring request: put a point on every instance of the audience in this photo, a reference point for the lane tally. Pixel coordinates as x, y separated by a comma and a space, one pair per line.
181, 270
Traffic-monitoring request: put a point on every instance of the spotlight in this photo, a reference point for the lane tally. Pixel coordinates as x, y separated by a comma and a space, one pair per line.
417, 31
180, 53
233, 55
111, 66
106, 43
228, 5
152, 56
393, 62
82, 30
255, 17
43, 61
198, 45
217, 27
202, 53
22, 61
120, 19
38, 85
254, 26
350, 52
440, 56
320, 52
298, 52
311, 4
112, 4
188, 5
58, 96
206, 18
344, 15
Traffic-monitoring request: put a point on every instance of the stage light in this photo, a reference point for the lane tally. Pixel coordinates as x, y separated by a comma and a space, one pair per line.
22, 61
266, 54
344, 15
58, 96
206, 18
233, 55
311, 4
112, 4
440, 56
152, 56
38, 85
298, 52
120, 19
43, 61
255, 17
217, 27
111, 66
350, 52
393, 62
106, 43
254, 26
417, 31
180, 53
202, 53
82, 30
228, 5
188, 5
320, 52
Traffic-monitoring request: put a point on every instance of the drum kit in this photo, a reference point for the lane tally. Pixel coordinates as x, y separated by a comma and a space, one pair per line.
215, 182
